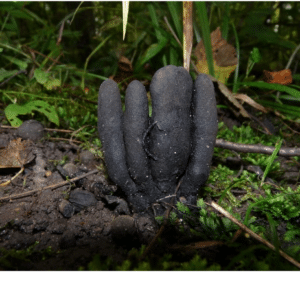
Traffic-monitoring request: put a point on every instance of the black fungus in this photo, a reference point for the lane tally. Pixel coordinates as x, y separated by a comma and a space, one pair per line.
147, 157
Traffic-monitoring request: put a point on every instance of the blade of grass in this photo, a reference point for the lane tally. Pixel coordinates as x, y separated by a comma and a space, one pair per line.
14, 49
154, 48
151, 52
88, 59
76, 10
289, 109
34, 16
271, 86
270, 161
236, 71
253, 234
202, 14
125, 7
196, 32
155, 23
274, 237
225, 23
175, 11
5, 21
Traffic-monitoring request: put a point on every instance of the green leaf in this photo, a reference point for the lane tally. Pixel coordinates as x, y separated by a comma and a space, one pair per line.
52, 83
155, 23
4, 73
225, 22
41, 76
289, 109
272, 86
151, 52
20, 63
270, 160
89, 57
114, 22
255, 55
175, 9
44, 108
204, 24
14, 110
20, 14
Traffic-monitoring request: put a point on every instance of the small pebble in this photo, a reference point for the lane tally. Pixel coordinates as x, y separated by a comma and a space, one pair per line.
123, 228
32, 130
66, 208
82, 199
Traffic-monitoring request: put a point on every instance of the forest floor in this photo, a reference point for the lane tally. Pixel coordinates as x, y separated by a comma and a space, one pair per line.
74, 227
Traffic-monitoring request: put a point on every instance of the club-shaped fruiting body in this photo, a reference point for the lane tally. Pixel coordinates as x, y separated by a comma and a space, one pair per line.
147, 157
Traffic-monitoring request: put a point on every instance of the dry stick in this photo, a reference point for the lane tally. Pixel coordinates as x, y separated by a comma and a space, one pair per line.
161, 229
187, 33
256, 236
54, 186
46, 129
48, 57
10, 180
177, 39
54, 63
67, 140
248, 148
61, 30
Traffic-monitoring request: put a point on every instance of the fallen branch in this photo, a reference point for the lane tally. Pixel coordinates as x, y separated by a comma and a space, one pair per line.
54, 186
253, 234
248, 148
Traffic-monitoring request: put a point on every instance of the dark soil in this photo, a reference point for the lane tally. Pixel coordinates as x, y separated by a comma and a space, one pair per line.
75, 219
66, 226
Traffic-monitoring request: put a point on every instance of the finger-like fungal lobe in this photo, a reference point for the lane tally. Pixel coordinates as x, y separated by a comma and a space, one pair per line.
204, 132
147, 157
110, 128
136, 120
171, 93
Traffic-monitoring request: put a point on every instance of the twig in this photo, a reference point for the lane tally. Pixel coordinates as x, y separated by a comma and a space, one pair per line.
67, 140
46, 129
59, 130
54, 186
10, 180
162, 228
55, 62
178, 41
253, 234
35, 51
248, 148
61, 30
172, 31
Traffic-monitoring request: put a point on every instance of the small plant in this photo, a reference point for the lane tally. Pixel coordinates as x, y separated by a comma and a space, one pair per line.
13, 259
164, 263
14, 110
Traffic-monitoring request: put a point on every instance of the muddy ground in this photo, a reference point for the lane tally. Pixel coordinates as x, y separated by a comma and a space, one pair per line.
69, 224
75, 219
